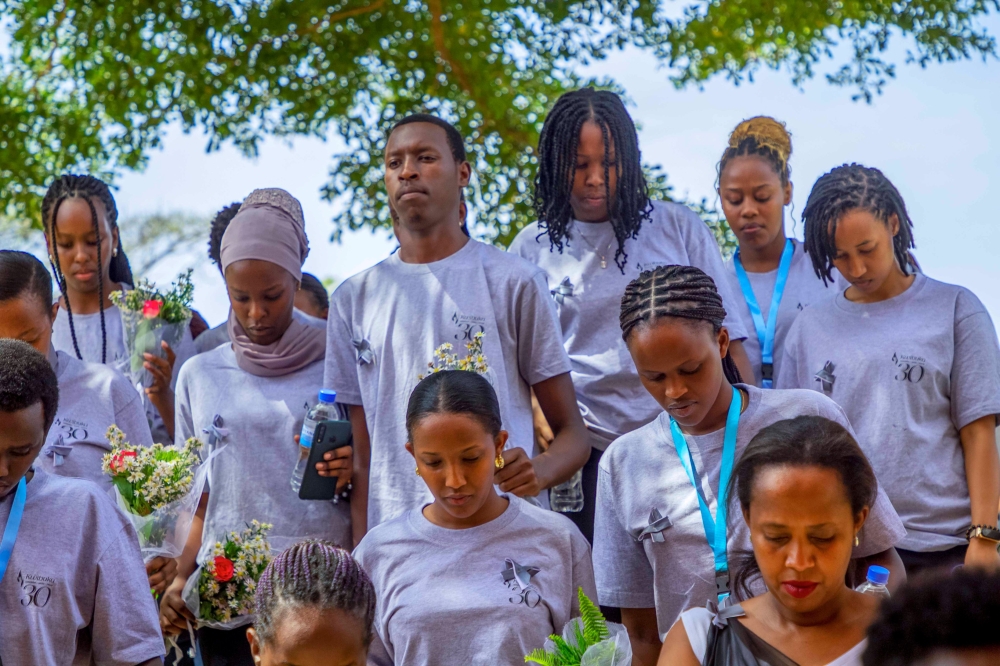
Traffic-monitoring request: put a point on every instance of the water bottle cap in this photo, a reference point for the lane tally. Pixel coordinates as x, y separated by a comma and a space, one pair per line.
327, 396
878, 575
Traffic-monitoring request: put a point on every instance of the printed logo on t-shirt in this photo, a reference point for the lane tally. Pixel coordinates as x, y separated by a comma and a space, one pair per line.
909, 368
35, 590
518, 580
826, 378
72, 430
468, 326
800, 306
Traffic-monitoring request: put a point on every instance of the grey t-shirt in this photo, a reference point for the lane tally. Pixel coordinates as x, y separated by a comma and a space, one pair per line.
589, 297
259, 418
910, 372
641, 472
802, 289
385, 324
75, 591
92, 397
443, 597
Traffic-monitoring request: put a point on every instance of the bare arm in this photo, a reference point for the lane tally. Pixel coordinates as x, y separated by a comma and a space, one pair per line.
570, 449
742, 361
174, 614
644, 635
677, 648
362, 461
890, 560
982, 472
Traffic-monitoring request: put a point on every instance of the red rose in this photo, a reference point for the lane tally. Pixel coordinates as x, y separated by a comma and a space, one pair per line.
151, 309
223, 569
118, 461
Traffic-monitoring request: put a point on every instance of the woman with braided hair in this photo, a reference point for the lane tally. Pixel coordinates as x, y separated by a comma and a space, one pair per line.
597, 229
914, 363
80, 220
315, 606
772, 272
661, 537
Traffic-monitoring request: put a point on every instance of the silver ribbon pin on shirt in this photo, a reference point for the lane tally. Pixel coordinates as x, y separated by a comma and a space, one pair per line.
563, 291
216, 433
522, 575
365, 352
654, 530
58, 451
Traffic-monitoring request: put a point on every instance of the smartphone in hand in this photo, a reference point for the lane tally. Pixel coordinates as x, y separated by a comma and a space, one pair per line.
329, 436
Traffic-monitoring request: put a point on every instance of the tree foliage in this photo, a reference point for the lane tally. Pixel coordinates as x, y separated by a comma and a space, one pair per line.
91, 86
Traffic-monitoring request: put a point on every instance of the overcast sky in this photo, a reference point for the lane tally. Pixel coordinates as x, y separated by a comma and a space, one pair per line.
934, 132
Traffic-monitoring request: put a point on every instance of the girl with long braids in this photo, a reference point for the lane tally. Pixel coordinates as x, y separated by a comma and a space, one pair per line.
80, 220
773, 273
597, 229
314, 606
662, 539
914, 363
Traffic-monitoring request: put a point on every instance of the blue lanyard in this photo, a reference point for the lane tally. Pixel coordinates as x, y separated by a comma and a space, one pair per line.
715, 530
13, 525
765, 332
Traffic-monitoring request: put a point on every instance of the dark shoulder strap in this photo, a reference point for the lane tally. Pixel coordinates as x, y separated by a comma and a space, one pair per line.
735, 645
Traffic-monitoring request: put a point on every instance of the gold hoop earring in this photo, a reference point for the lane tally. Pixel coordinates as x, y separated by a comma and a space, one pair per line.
499, 462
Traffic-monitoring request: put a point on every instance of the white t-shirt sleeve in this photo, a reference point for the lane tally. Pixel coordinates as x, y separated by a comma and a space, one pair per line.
130, 414
975, 371
624, 575
540, 351
341, 373
697, 623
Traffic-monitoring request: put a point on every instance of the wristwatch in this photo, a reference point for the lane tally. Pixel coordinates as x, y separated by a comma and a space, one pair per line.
983, 532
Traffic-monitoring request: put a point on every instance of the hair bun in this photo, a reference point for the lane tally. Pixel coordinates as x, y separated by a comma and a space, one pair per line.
767, 132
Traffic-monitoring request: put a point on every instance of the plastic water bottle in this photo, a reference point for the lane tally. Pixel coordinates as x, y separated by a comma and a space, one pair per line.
325, 410
568, 497
875, 583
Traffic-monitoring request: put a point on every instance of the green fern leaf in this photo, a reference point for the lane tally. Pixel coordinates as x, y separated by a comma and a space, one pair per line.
540, 656
595, 628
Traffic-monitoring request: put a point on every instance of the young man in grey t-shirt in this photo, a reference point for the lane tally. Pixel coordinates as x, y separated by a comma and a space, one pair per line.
442, 287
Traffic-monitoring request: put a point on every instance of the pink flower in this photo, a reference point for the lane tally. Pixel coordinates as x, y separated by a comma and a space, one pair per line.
151, 309
223, 569
118, 461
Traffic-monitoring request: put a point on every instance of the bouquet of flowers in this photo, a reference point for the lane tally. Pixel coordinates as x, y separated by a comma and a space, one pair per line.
220, 594
588, 640
158, 488
150, 317
474, 361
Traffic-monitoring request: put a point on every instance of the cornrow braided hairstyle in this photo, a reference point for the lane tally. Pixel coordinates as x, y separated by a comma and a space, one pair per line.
846, 188
628, 205
88, 188
675, 291
313, 573
761, 136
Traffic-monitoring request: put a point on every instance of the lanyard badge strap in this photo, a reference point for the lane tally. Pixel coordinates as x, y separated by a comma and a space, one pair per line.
765, 332
13, 525
715, 529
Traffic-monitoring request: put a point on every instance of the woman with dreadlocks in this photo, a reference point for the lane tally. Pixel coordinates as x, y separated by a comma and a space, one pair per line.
772, 272
914, 363
315, 606
661, 537
596, 230
80, 220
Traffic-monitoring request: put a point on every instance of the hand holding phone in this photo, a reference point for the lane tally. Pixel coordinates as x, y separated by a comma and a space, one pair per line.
329, 436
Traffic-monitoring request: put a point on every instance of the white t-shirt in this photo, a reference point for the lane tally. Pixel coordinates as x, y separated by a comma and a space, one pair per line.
92, 397
641, 471
251, 478
399, 313
910, 372
802, 289
611, 398
698, 622
443, 597
75, 591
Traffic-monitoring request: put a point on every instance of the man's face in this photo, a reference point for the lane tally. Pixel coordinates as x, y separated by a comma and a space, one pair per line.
422, 178
22, 434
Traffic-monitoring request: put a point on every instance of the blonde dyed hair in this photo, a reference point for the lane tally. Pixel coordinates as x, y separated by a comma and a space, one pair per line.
764, 137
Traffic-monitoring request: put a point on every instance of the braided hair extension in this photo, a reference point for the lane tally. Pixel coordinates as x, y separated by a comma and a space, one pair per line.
764, 137
628, 205
88, 188
313, 573
675, 291
846, 188
219, 224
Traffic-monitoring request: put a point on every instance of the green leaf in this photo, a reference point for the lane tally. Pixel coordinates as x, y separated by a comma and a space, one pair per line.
595, 627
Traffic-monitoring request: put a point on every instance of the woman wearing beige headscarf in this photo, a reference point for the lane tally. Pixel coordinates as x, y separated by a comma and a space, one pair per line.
249, 400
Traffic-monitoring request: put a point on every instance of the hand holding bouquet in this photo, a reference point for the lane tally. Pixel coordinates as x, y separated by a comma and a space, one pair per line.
150, 317
588, 640
158, 488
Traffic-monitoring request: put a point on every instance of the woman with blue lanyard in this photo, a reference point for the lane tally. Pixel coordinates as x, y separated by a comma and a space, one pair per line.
773, 273
661, 534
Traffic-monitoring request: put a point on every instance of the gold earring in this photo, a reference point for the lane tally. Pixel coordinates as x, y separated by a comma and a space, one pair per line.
499, 462
114, 252
52, 259
418, 471
857, 541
